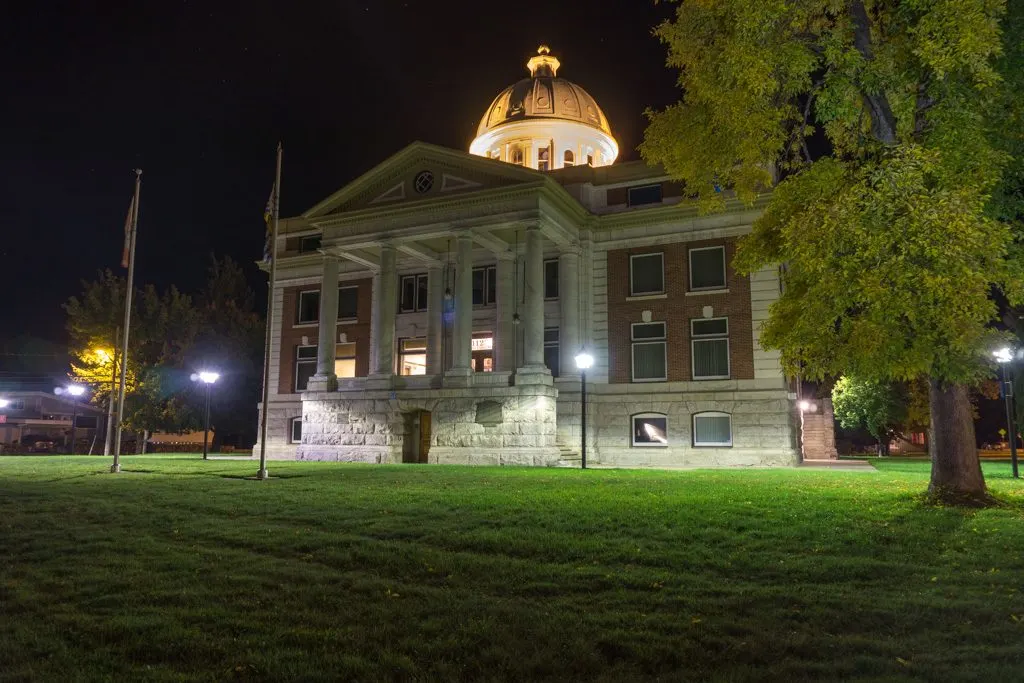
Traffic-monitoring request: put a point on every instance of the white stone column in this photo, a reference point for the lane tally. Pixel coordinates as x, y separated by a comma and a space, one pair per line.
569, 341
504, 334
384, 312
462, 330
533, 369
435, 319
325, 379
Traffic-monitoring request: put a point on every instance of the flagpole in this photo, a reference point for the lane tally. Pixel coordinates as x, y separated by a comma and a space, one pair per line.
116, 467
265, 408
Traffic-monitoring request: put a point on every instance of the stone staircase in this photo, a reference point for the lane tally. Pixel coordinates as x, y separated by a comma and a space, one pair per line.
567, 456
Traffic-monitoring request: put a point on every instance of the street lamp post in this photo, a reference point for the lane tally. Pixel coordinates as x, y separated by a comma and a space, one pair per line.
208, 378
1003, 357
74, 390
584, 361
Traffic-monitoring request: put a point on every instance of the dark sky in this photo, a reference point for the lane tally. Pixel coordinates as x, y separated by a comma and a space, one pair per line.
198, 93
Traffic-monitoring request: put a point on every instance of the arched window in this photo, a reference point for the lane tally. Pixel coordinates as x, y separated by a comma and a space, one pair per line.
516, 157
712, 429
649, 430
568, 158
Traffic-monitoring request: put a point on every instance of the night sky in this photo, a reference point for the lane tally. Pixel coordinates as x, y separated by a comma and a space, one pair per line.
197, 94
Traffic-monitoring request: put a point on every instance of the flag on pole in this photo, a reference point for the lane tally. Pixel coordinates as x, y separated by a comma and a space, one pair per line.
127, 234
268, 220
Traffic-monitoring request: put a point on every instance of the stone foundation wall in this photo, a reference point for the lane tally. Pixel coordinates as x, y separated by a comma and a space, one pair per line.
370, 426
763, 429
278, 430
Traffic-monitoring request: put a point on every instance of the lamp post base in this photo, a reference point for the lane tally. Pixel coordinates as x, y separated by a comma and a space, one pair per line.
262, 475
115, 469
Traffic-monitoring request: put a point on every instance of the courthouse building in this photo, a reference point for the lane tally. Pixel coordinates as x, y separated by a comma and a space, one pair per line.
431, 310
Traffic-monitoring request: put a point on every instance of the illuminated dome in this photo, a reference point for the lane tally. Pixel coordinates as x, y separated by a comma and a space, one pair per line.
545, 122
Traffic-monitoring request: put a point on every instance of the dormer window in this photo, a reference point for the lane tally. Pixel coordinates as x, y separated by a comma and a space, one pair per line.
543, 159
516, 157
568, 159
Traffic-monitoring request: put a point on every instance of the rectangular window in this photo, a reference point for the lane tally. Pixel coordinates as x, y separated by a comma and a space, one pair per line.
345, 360
16, 404
305, 366
646, 274
308, 310
707, 268
348, 303
485, 285
647, 194
649, 352
650, 429
551, 357
412, 292
309, 243
412, 356
712, 429
551, 279
543, 159
296, 430
710, 348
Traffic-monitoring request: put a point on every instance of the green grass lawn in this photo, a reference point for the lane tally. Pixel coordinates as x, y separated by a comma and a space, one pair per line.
183, 569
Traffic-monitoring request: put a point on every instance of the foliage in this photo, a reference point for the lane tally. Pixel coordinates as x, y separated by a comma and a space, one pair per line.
455, 573
871, 404
172, 336
886, 122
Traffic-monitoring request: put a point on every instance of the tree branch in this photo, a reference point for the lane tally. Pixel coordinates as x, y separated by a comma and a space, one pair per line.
883, 122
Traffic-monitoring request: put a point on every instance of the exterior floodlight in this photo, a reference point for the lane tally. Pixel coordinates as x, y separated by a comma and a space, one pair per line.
805, 406
75, 389
208, 378
4, 403
1004, 356
584, 361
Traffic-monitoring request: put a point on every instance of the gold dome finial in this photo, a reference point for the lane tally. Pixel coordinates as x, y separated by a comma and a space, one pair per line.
544, 64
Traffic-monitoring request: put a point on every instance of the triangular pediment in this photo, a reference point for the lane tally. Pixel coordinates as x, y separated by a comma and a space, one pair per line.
423, 172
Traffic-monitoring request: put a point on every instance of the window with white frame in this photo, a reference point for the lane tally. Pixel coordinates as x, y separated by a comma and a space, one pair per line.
544, 159
305, 366
412, 356
345, 359
348, 303
709, 342
712, 429
308, 310
649, 346
551, 279
650, 429
516, 156
551, 356
295, 435
707, 268
568, 158
485, 285
646, 274
412, 293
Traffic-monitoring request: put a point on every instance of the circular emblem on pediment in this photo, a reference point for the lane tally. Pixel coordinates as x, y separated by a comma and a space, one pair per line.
423, 181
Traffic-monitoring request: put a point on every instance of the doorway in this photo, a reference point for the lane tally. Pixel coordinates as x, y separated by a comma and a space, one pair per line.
416, 436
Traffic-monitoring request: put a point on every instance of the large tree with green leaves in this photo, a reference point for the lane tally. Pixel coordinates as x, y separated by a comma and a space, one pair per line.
888, 234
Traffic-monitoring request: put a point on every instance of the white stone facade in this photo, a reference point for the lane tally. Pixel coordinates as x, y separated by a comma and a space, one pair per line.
516, 220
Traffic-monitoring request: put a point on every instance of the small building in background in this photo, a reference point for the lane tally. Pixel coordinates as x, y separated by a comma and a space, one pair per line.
39, 422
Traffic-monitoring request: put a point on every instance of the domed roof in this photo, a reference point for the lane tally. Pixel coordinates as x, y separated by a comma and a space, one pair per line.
543, 96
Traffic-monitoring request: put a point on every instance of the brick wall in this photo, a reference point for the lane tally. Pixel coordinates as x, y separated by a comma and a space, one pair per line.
676, 310
292, 333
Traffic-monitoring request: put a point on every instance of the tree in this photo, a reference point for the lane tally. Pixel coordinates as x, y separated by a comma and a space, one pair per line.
890, 245
886, 410
163, 328
230, 340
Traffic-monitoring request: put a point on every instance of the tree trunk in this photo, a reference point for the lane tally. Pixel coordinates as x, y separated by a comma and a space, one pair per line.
956, 470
